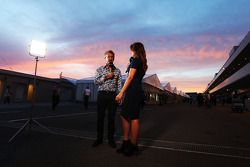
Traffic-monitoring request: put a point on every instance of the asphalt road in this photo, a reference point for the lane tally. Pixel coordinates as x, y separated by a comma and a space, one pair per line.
171, 135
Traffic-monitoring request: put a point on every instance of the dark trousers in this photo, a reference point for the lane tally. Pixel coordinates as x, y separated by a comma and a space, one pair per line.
86, 101
106, 100
6, 100
55, 101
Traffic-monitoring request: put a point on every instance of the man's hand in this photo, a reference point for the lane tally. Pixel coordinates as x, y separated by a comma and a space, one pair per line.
109, 76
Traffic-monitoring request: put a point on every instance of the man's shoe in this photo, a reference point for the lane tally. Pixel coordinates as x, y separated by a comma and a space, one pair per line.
112, 143
97, 143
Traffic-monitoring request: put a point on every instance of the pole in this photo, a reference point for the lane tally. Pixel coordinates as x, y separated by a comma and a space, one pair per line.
34, 94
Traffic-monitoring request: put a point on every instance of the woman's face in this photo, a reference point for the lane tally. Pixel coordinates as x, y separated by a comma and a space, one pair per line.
132, 53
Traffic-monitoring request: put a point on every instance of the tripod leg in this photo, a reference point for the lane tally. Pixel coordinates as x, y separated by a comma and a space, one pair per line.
42, 126
19, 131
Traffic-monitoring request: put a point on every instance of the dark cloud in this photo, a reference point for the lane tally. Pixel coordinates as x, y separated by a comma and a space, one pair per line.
178, 35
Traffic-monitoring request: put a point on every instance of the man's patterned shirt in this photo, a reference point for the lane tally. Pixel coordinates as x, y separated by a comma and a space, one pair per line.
114, 84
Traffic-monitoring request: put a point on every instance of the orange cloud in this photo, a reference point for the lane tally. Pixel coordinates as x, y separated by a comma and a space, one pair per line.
81, 61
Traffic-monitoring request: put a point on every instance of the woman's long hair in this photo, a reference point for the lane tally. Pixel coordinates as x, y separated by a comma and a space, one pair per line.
138, 49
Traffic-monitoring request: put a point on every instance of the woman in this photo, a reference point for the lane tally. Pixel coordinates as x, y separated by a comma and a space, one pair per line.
132, 101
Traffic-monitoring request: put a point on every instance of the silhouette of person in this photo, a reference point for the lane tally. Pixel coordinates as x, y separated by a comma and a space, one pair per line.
86, 95
108, 78
132, 92
55, 98
7, 95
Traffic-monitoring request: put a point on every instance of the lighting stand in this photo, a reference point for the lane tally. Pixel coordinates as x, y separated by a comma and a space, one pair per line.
30, 122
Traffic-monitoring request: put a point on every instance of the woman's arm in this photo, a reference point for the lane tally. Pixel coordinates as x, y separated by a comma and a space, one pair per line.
128, 81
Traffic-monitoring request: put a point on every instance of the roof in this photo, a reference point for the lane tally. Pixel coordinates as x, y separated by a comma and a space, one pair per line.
92, 79
71, 80
175, 90
150, 79
31, 76
238, 59
168, 87
153, 80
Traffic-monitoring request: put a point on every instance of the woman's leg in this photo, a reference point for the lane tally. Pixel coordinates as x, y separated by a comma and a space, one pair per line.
125, 127
132, 147
135, 125
126, 142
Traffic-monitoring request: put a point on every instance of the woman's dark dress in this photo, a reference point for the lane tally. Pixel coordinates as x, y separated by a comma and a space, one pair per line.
133, 97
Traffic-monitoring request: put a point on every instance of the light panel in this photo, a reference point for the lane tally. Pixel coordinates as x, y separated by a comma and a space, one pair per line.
38, 49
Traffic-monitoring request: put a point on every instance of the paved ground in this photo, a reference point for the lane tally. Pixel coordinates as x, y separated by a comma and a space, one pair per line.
171, 135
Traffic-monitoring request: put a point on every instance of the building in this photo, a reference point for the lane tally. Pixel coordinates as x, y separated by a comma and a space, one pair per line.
21, 87
234, 75
154, 93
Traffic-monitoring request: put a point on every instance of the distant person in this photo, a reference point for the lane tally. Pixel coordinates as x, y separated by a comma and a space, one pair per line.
214, 100
109, 81
223, 100
190, 100
55, 98
86, 95
7, 94
208, 100
143, 99
132, 92
200, 99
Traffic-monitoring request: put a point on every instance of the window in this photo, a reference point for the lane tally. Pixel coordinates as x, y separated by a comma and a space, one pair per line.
30, 92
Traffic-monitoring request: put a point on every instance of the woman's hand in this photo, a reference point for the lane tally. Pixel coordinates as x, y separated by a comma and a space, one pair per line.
118, 98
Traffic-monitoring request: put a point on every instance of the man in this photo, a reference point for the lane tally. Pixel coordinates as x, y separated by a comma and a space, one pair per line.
108, 78
7, 95
55, 98
86, 97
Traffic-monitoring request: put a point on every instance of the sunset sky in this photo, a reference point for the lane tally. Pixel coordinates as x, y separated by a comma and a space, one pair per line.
187, 41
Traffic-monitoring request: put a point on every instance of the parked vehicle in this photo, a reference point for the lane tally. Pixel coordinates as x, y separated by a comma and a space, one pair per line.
237, 104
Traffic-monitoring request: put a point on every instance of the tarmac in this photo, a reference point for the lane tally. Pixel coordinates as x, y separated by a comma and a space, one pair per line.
171, 135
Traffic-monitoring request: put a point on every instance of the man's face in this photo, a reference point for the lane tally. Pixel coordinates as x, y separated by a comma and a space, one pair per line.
109, 58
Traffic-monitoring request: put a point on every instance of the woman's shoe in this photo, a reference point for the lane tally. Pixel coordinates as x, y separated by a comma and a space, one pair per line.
125, 145
131, 150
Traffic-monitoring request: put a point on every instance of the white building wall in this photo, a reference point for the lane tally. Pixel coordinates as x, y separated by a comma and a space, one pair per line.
80, 89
